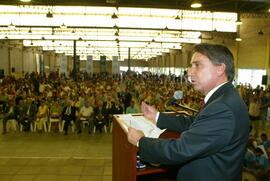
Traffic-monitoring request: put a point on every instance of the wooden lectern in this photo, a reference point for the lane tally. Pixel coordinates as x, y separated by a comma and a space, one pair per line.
124, 157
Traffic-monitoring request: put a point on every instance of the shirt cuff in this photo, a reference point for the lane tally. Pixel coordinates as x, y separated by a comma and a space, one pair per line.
156, 118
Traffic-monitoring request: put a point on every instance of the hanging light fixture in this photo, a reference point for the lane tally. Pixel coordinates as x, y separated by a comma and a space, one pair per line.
177, 18
114, 16
11, 26
63, 26
30, 31
49, 14
25, 1
196, 4
238, 21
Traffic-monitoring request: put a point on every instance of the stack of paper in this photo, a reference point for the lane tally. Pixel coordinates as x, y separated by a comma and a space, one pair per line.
141, 123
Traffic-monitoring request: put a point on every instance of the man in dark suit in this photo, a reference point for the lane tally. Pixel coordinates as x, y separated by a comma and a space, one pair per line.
212, 143
27, 113
68, 115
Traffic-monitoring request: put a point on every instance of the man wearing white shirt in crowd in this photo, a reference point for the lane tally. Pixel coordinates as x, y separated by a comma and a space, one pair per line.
85, 114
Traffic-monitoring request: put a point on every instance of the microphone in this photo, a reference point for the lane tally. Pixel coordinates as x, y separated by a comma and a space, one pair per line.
176, 96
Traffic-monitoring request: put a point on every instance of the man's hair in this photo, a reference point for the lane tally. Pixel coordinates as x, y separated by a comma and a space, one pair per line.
218, 54
264, 135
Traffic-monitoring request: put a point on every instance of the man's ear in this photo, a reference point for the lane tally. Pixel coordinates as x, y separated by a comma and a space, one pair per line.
221, 69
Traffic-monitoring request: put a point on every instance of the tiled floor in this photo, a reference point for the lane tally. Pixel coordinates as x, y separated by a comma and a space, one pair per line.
54, 156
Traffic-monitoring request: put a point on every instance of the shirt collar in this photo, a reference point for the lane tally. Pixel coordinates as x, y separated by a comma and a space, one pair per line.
211, 92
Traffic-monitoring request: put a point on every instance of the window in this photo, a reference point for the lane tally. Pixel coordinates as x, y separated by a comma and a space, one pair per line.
251, 76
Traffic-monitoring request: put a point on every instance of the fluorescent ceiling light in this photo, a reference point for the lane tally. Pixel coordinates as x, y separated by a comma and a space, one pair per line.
196, 4
135, 27
238, 39
25, 0
238, 22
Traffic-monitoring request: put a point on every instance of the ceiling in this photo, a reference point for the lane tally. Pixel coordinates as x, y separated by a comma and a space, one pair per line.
148, 32
250, 6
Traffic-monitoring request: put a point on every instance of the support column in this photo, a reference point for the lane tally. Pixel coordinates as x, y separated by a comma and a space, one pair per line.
128, 59
74, 59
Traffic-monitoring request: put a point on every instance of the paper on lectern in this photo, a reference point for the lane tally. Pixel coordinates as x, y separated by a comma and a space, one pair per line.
141, 123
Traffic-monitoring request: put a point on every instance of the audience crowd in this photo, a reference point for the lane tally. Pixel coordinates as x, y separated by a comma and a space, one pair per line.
41, 103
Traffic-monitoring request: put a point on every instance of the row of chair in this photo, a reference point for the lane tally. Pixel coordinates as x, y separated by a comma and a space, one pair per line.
12, 124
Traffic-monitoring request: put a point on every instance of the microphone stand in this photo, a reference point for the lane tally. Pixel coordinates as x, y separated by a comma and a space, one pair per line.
184, 107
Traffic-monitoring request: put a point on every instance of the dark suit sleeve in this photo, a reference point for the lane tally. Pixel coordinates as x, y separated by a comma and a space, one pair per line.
210, 132
173, 122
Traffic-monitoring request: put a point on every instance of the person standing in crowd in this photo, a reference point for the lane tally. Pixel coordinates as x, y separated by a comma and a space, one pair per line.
254, 113
264, 104
213, 143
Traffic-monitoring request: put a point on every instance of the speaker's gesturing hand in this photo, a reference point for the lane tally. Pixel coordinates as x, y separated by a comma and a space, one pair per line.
148, 111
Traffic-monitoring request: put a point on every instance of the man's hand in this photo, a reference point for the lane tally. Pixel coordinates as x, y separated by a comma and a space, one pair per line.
134, 135
148, 111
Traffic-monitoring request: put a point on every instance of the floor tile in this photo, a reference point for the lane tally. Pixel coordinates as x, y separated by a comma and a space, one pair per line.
68, 178
45, 178
50, 170
92, 170
6, 177
94, 162
7, 170
91, 178
23, 178
29, 170
71, 170
107, 178
107, 171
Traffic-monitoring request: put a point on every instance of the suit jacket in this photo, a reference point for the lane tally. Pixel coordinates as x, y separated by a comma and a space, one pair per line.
32, 110
72, 114
212, 144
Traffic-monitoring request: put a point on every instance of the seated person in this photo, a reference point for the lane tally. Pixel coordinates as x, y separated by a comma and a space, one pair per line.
68, 115
3, 100
11, 114
99, 122
85, 113
131, 108
264, 141
116, 108
55, 110
99, 116
261, 160
41, 115
27, 113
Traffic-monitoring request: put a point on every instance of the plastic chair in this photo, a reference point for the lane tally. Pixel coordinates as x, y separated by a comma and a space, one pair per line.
54, 120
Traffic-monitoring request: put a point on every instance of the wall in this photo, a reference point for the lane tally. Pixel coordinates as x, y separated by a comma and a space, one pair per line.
253, 48
4, 56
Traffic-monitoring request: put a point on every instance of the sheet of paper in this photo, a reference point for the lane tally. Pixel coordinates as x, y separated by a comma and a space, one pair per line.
141, 123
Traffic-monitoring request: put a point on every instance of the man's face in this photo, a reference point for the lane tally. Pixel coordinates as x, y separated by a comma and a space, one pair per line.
203, 74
